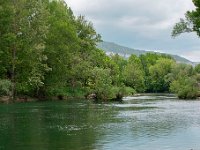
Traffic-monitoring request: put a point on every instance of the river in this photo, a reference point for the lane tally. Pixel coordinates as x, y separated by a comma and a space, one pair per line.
137, 123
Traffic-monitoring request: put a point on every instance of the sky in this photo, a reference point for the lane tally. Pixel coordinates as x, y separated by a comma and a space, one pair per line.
141, 24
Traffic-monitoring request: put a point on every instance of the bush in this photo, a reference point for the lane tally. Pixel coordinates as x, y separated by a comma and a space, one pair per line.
100, 83
5, 87
186, 88
119, 92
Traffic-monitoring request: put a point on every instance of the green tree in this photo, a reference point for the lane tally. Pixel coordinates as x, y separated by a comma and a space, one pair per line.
23, 31
5, 87
197, 68
184, 81
117, 65
71, 51
197, 71
191, 23
61, 48
147, 61
100, 83
185, 87
86, 33
181, 70
133, 74
118, 92
158, 74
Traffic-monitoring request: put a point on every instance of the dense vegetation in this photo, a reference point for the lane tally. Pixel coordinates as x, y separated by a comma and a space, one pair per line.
46, 51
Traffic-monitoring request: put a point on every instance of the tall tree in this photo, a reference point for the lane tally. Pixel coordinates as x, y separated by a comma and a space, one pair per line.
60, 49
147, 61
133, 74
23, 32
158, 75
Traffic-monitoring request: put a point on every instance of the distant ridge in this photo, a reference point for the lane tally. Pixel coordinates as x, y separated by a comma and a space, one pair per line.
110, 47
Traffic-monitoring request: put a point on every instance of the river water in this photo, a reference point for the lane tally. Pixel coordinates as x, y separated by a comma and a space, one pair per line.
137, 123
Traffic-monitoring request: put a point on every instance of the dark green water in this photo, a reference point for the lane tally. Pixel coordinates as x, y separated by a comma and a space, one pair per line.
142, 123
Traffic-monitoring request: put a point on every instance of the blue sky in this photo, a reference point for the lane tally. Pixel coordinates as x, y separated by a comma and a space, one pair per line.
141, 24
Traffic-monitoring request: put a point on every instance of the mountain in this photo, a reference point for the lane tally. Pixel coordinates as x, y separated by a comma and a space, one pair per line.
110, 47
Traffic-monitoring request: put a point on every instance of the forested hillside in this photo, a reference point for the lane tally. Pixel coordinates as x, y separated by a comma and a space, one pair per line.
110, 47
47, 52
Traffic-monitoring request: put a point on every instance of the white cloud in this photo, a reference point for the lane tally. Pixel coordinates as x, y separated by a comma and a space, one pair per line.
192, 55
142, 24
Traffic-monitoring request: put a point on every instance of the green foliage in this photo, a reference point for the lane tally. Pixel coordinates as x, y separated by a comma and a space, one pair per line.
5, 87
150, 64
158, 73
185, 76
197, 68
133, 74
86, 33
181, 70
117, 65
184, 81
191, 22
120, 92
185, 87
22, 44
115, 48
60, 42
100, 83
134, 77
46, 51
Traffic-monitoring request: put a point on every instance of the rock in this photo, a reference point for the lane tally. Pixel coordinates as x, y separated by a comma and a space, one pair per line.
91, 96
4, 99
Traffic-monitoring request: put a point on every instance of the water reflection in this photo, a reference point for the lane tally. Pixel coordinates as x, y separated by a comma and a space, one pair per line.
140, 123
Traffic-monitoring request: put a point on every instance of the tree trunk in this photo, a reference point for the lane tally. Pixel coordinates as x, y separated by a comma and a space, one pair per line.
13, 90
13, 51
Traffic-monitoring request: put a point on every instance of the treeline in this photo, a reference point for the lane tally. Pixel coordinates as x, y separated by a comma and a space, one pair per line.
46, 51
153, 73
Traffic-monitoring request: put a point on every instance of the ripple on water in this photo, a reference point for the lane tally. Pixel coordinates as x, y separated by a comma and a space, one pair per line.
138, 123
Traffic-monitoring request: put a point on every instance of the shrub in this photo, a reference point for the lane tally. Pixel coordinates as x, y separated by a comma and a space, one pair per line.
119, 92
185, 87
5, 87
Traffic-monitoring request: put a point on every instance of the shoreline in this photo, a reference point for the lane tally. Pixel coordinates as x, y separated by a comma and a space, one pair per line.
24, 99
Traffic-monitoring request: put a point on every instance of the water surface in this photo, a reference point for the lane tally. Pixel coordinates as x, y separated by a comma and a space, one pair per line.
138, 123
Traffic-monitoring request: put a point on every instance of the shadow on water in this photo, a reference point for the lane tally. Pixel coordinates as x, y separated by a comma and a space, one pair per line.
137, 123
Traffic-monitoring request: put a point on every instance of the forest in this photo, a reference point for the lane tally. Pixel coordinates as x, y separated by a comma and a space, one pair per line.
46, 52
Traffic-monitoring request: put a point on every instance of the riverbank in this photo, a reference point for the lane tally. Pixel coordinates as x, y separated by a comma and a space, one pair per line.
6, 99
24, 99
